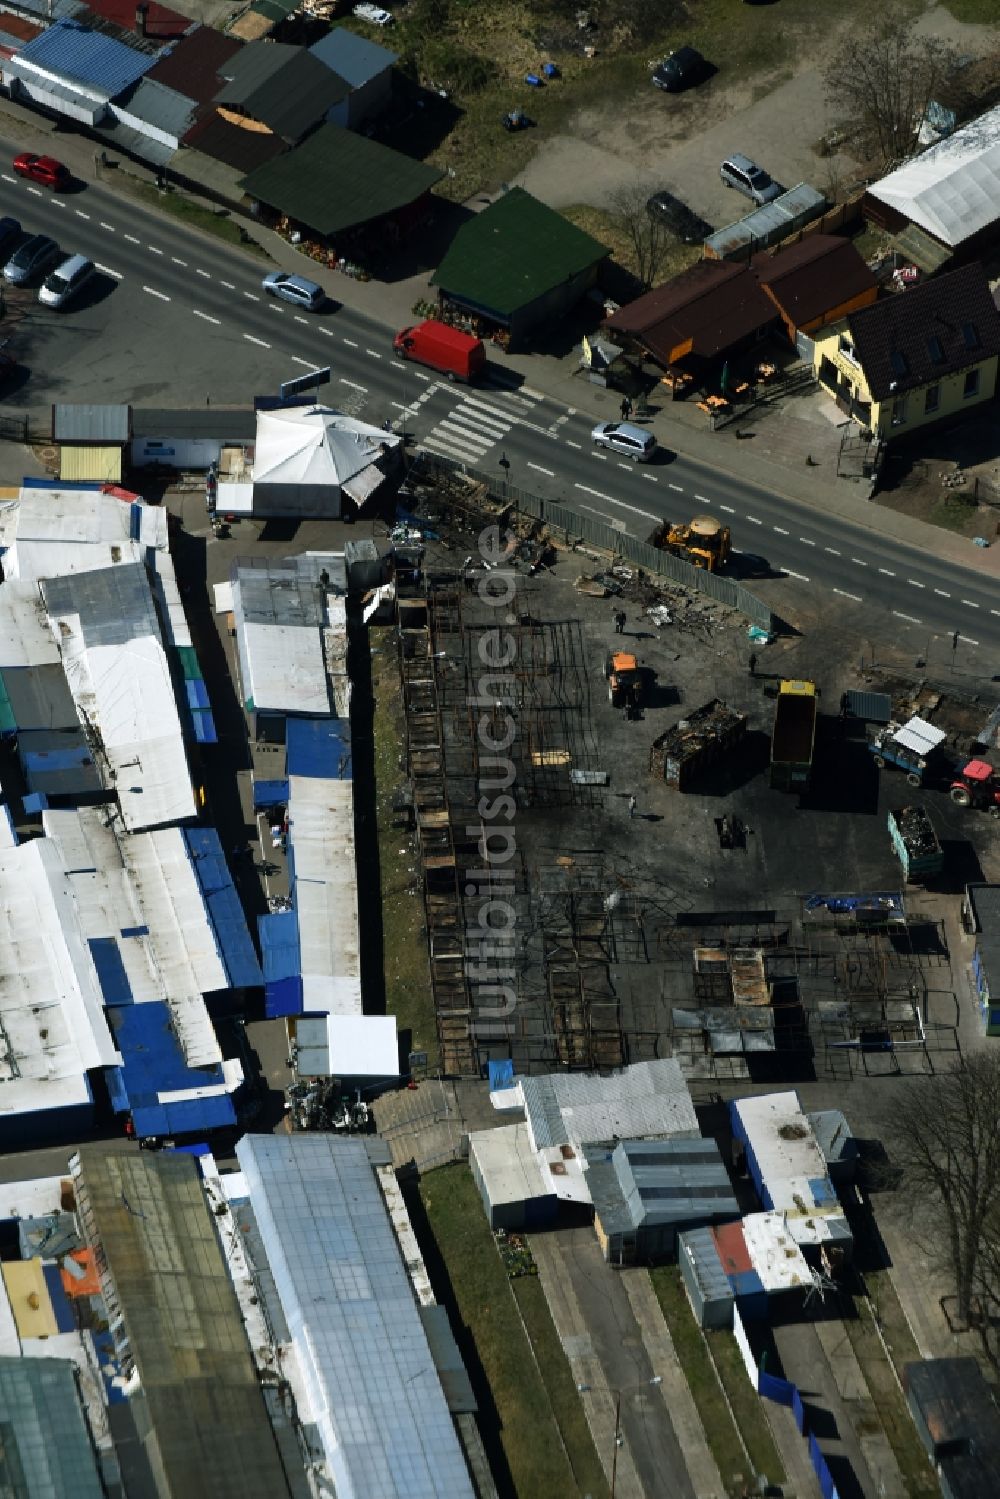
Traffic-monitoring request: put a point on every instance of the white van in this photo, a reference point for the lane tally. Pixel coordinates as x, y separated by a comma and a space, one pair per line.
65, 281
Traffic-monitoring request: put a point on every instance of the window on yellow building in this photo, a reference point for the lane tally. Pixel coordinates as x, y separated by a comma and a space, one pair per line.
971, 384
899, 411
932, 399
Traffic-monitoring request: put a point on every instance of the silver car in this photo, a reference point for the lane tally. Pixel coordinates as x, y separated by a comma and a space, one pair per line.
66, 281
621, 437
739, 172
294, 289
30, 259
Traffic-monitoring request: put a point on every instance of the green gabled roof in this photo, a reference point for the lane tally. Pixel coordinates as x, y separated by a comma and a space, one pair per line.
336, 180
513, 252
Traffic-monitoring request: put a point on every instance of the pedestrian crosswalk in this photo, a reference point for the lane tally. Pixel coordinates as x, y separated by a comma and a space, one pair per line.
479, 422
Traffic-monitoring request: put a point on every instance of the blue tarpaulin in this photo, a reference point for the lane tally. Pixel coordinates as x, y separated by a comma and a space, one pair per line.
35, 802
319, 747
224, 909
153, 1065
501, 1074
279, 945
204, 726
270, 794
197, 692
111, 974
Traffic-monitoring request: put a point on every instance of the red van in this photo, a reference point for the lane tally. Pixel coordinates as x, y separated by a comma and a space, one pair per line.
458, 355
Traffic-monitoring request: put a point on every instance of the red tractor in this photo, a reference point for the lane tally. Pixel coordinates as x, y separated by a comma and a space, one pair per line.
977, 786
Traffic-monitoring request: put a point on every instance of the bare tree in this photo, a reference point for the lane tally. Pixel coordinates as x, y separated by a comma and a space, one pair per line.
648, 239
883, 80
944, 1132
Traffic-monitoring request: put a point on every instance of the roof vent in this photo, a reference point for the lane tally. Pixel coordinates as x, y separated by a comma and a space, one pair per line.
970, 334
898, 361
935, 349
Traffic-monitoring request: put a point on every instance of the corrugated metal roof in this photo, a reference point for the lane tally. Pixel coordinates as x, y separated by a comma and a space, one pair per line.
353, 58
47, 1442
920, 736
80, 421
70, 50
283, 86
101, 463
385, 1424
192, 65
698, 1248
646, 1183
227, 423
645, 1099
53, 10
157, 105
769, 223
873, 707
135, 142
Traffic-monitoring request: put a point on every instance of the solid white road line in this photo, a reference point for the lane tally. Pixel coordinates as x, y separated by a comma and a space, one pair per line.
539, 470
634, 508
151, 290
845, 595
801, 576
206, 317
259, 341
908, 617
967, 640
353, 384
597, 493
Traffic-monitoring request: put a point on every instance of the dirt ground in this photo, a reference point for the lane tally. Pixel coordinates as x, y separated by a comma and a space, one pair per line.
678, 141
949, 477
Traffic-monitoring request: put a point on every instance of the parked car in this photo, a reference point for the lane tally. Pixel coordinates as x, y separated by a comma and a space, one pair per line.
621, 437
43, 169
10, 233
294, 289
748, 178
680, 70
62, 285
31, 259
678, 218
374, 14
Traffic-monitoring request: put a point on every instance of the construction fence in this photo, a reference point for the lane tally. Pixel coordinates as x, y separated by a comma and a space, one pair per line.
609, 538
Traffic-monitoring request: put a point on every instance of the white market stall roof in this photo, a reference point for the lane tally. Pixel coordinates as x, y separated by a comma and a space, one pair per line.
321, 831
953, 189
312, 445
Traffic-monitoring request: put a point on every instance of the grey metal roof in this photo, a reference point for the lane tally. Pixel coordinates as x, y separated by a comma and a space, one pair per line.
203, 1405
227, 423
874, 707
984, 901
352, 57
115, 604
160, 106
40, 697
130, 138
447, 1360
642, 1183
648, 1098
283, 86
959, 1421
47, 1448
347, 1297
833, 1135
286, 591
82, 421
698, 1247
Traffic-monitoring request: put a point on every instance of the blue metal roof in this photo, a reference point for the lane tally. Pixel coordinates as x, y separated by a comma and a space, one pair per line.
154, 1065
223, 906
352, 57
70, 50
279, 944
319, 747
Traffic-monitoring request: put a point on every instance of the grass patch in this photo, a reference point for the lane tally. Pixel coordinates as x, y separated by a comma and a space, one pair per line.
527, 1394
694, 1359
407, 980
196, 215
914, 1466
748, 1408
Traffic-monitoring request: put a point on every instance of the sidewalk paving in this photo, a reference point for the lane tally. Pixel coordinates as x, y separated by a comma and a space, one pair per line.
676, 427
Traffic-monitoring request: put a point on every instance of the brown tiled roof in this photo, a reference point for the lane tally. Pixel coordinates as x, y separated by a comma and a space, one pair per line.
711, 307
192, 65
939, 328
807, 280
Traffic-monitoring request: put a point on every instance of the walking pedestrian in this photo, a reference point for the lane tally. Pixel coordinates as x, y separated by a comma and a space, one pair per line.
631, 806
626, 408
753, 664
619, 621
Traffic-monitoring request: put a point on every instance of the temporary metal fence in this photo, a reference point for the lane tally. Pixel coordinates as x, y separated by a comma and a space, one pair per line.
612, 539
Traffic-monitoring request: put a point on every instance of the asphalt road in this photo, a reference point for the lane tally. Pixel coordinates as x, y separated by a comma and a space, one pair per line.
177, 319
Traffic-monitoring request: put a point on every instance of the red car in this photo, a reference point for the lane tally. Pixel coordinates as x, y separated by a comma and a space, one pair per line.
43, 169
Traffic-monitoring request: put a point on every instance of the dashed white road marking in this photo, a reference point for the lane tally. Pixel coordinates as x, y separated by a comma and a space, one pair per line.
251, 296
153, 250
178, 261
801, 576
154, 293
780, 530
703, 499
908, 617
37, 192
415, 373
259, 341
845, 595
914, 584
968, 603
967, 640
886, 573
109, 227
301, 319
806, 542
107, 270
754, 521
539, 470
326, 332
832, 550
573, 445
206, 317
352, 345
728, 509
679, 488
941, 594
228, 285
81, 215
306, 363
202, 273
131, 238
651, 478
7, 177
354, 385
57, 203
373, 354
858, 562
